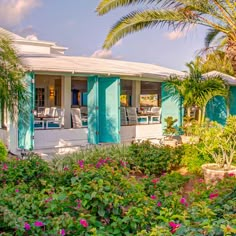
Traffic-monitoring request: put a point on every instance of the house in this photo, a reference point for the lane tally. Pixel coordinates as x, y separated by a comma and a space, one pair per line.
104, 88
115, 100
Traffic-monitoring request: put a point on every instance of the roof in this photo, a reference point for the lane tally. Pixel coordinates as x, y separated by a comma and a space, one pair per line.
228, 78
88, 65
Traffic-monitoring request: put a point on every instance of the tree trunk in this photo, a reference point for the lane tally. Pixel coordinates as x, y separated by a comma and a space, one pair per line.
199, 115
203, 114
231, 53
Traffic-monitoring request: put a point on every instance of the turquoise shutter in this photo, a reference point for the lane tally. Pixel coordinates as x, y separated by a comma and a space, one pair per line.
93, 125
171, 105
216, 110
232, 102
109, 110
26, 116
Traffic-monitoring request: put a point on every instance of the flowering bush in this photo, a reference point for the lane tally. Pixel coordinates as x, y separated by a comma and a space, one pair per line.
3, 151
105, 197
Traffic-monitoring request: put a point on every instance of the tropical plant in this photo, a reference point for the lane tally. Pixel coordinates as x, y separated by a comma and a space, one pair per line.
196, 91
217, 60
220, 142
13, 91
217, 16
170, 130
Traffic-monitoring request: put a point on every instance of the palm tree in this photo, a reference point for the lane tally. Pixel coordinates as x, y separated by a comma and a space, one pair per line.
215, 60
13, 93
219, 16
196, 91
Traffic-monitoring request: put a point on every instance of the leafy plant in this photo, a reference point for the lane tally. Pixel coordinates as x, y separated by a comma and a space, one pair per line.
220, 142
190, 126
170, 130
3, 151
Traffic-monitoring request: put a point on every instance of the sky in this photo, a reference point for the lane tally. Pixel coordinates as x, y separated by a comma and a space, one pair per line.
76, 25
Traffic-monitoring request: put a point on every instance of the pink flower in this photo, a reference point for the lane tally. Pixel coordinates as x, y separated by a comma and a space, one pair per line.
81, 163
17, 190
79, 203
213, 195
159, 204
183, 201
48, 199
27, 226
155, 181
123, 163
153, 197
231, 174
201, 180
65, 168
62, 232
174, 226
84, 223
4, 167
39, 224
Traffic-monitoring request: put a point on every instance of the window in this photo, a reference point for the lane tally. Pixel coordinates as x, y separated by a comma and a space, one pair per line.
39, 97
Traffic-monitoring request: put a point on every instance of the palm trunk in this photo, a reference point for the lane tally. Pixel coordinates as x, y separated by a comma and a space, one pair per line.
203, 114
199, 116
231, 53
188, 111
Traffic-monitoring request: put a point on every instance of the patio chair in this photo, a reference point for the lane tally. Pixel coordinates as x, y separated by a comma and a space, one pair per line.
77, 120
58, 121
156, 115
133, 118
123, 116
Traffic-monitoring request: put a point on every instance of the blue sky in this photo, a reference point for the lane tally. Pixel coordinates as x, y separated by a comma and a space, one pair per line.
75, 24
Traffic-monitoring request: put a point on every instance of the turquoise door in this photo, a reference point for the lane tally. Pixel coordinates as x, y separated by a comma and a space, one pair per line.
109, 113
26, 116
93, 119
232, 102
171, 105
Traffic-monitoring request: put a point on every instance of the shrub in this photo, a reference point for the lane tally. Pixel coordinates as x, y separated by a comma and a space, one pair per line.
3, 152
193, 159
154, 160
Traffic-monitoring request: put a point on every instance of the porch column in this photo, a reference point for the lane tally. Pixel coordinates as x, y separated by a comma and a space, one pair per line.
136, 90
66, 100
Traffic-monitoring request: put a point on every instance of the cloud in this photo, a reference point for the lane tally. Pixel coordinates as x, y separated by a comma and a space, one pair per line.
107, 54
179, 33
13, 11
102, 53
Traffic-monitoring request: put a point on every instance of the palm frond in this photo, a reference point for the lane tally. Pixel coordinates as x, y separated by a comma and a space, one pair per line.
139, 20
211, 35
106, 6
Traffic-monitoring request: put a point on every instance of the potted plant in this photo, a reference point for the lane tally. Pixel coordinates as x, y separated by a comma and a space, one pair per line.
220, 143
189, 129
170, 131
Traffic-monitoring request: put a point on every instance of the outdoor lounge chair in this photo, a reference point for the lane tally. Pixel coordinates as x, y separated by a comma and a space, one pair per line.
58, 121
156, 115
123, 116
133, 118
77, 120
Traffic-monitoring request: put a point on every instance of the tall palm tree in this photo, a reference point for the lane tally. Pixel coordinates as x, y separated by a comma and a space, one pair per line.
219, 16
196, 91
13, 93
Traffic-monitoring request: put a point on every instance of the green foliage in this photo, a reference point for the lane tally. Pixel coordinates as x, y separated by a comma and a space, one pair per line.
154, 160
220, 142
3, 151
193, 159
106, 197
170, 130
190, 126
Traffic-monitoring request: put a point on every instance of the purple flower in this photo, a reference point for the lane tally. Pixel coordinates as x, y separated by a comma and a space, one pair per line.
17, 190
159, 204
48, 200
39, 223
153, 197
81, 163
62, 232
27, 226
84, 223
